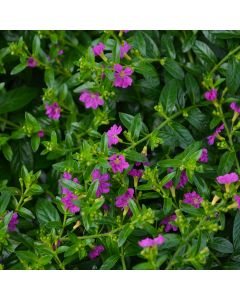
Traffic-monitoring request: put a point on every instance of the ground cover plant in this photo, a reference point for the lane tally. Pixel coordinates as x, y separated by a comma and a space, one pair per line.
119, 150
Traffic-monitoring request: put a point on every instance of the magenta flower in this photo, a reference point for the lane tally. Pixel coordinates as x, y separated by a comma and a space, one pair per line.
193, 199
182, 182
204, 156
91, 100
235, 107
135, 173
31, 62
68, 199
124, 49
148, 242
211, 138
97, 250
40, 133
61, 52
105, 207
122, 200
237, 199
211, 95
67, 175
103, 187
121, 75
118, 163
53, 111
98, 49
12, 225
112, 135
168, 226
227, 178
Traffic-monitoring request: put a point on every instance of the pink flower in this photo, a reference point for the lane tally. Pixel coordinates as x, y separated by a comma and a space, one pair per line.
60, 52
148, 242
135, 173
122, 200
193, 199
68, 199
98, 49
31, 62
91, 100
235, 107
67, 175
237, 199
103, 187
204, 156
118, 163
96, 252
13, 222
40, 133
53, 111
112, 135
122, 78
182, 182
227, 178
166, 221
211, 138
124, 49
211, 95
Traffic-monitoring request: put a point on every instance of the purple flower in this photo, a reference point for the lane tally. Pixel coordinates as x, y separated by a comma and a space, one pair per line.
68, 199
112, 135
98, 49
182, 182
237, 199
193, 199
148, 242
91, 100
105, 207
235, 107
135, 173
97, 250
40, 133
31, 62
211, 138
118, 163
211, 95
121, 75
124, 49
227, 178
53, 111
122, 200
13, 222
166, 221
60, 52
67, 176
103, 187
204, 156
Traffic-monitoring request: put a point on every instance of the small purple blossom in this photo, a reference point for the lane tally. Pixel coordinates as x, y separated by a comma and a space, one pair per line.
67, 176
193, 199
148, 242
105, 207
122, 200
13, 222
104, 185
211, 95
98, 49
61, 52
96, 251
235, 107
112, 135
124, 49
135, 173
211, 138
91, 100
122, 76
40, 133
204, 156
227, 178
168, 226
182, 182
31, 62
237, 199
53, 111
68, 199
118, 163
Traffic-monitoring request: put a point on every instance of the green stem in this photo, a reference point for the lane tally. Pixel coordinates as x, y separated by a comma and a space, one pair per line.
9, 123
123, 259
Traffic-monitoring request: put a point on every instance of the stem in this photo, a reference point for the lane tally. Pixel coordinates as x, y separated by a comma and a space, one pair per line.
9, 123
123, 259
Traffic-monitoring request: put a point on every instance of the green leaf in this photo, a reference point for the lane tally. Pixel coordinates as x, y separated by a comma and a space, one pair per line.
193, 89
127, 120
124, 234
168, 96
226, 163
19, 68
35, 142
167, 43
197, 119
236, 232
167, 206
182, 134
136, 126
104, 144
232, 79
49, 78
116, 53
221, 245
170, 163
16, 98
110, 262
192, 210
4, 201
133, 207
7, 151
135, 156
93, 189
204, 53
22, 155
201, 185
173, 68
143, 266
36, 45
46, 212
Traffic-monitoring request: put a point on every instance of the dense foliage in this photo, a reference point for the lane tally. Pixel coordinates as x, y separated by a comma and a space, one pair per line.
119, 149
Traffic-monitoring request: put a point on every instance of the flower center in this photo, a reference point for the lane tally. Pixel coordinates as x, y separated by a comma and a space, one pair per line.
117, 161
122, 74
